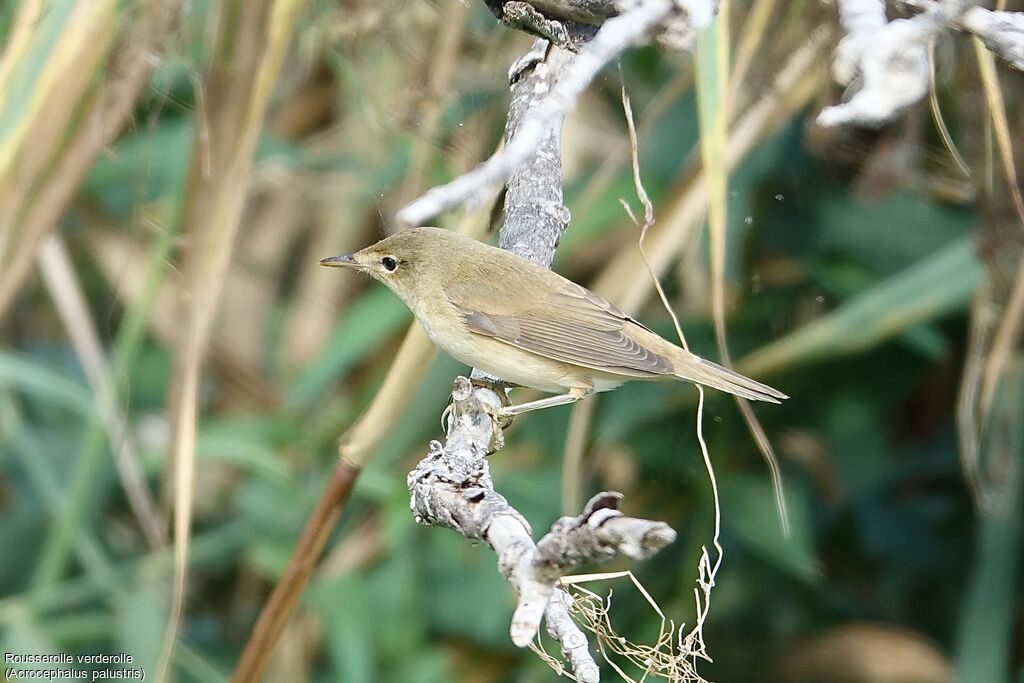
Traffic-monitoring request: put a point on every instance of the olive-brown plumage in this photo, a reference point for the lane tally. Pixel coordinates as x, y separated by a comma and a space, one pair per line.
526, 324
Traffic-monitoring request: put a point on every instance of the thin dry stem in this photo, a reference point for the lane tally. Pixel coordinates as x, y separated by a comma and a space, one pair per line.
983, 321
623, 281
940, 122
246, 64
63, 286
1008, 330
1001, 128
755, 28
576, 439
694, 640
279, 607
713, 153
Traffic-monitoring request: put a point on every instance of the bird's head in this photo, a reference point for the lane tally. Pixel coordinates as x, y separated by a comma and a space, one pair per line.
406, 258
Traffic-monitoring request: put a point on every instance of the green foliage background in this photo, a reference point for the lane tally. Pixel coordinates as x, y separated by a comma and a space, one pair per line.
852, 259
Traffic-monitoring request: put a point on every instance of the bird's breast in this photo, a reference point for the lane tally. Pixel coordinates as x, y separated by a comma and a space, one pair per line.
445, 325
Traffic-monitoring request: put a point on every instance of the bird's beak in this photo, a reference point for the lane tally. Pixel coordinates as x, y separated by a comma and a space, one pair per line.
345, 260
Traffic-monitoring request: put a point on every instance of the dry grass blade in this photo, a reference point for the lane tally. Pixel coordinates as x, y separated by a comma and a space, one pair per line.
755, 28
1009, 329
64, 288
983, 320
100, 117
940, 122
38, 104
35, 126
997, 111
251, 46
712, 105
25, 22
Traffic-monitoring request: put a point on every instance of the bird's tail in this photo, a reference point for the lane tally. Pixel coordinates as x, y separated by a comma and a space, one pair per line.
695, 369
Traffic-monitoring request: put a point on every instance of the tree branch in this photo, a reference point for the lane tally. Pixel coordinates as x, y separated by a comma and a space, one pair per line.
452, 488
1002, 33
643, 18
887, 60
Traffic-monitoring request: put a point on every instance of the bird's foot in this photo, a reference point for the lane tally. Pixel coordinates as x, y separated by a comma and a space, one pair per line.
499, 416
501, 389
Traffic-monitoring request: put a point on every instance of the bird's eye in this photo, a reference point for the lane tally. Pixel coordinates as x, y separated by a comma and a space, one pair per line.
389, 263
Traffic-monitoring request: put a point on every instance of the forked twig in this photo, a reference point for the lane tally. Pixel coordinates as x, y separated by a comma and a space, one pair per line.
615, 35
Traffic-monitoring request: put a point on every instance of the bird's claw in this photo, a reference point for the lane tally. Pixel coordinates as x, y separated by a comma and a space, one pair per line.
445, 414
500, 417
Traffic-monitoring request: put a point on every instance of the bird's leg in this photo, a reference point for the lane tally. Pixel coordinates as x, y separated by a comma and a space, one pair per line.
549, 402
575, 394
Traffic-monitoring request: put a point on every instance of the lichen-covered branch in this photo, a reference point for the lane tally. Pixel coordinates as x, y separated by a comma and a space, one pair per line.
564, 33
886, 61
1002, 33
452, 488
583, 11
534, 215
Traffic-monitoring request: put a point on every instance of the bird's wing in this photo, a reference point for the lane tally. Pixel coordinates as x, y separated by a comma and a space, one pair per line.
568, 324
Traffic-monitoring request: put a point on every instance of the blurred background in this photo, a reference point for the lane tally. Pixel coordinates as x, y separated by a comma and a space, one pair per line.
170, 174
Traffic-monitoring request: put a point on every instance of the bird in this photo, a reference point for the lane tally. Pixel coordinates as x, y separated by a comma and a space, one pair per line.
527, 325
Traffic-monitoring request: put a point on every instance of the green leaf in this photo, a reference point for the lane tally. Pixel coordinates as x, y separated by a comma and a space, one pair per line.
148, 165
373, 317
24, 78
141, 611
19, 373
348, 614
26, 636
748, 509
247, 443
936, 286
984, 643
